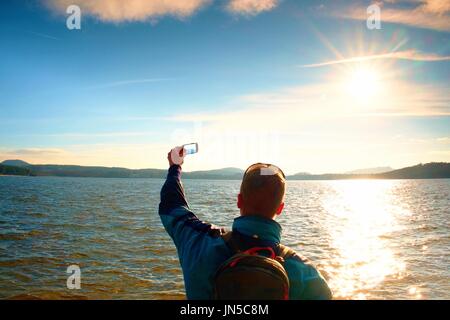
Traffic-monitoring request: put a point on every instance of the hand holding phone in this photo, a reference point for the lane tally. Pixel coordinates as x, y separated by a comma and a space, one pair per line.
176, 155
190, 148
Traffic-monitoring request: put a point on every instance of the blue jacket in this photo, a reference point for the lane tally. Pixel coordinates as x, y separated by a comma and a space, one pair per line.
202, 250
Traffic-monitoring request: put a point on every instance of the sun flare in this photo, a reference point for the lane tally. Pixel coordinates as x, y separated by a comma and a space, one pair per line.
363, 83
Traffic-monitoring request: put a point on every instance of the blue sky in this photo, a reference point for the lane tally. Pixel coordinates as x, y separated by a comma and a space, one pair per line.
239, 76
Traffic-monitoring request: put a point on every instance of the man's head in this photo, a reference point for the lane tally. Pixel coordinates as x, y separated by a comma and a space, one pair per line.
262, 191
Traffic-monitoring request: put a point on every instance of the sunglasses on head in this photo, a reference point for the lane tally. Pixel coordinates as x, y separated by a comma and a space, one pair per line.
271, 169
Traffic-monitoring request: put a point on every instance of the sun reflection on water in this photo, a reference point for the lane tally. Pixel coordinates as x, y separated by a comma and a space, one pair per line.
361, 216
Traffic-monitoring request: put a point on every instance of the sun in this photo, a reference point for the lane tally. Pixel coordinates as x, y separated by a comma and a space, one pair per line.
362, 83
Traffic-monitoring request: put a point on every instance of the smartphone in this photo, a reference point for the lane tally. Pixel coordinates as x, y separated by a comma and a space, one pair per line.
190, 148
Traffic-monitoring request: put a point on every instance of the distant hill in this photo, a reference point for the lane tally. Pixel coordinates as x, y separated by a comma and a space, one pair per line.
422, 171
328, 176
94, 172
16, 163
302, 174
112, 172
432, 170
371, 170
13, 170
225, 173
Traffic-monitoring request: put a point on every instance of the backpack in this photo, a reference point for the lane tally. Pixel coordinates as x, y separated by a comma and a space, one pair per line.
250, 275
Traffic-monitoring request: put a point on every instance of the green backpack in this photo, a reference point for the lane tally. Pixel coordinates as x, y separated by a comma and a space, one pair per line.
248, 275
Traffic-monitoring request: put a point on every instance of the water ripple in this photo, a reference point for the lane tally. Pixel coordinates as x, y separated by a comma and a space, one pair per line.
372, 239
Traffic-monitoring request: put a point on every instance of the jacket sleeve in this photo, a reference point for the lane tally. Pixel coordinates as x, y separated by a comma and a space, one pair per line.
172, 192
316, 288
186, 230
306, 282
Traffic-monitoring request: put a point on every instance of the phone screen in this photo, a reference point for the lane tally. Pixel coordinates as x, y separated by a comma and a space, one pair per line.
190, 148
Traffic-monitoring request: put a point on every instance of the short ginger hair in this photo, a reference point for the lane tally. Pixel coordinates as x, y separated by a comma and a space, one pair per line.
262, 193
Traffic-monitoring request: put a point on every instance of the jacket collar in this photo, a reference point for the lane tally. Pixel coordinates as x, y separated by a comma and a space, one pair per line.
258, 228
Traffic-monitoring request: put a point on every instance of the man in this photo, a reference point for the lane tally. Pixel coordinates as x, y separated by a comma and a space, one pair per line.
202, 248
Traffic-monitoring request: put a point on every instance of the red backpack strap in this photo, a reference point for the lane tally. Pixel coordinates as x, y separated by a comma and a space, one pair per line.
255, 250
233, 243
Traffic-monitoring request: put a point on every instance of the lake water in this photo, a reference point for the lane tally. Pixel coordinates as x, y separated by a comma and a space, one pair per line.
379, 239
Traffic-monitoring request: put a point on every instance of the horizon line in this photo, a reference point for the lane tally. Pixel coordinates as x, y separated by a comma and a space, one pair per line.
294, 174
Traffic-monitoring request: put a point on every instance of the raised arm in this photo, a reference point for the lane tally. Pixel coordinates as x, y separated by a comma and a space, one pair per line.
178, 220
172, 192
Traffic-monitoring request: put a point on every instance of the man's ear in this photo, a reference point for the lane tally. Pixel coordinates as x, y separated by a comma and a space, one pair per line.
239, 201
280, 208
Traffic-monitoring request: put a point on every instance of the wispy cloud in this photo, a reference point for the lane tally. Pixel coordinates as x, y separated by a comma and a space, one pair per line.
428, 14
435, 6
113, 155
275, 127
127, 82
445, 140
136, 10
251, 7
98, 134
286, 108
142, 10
36, 151
401, 55
43, 35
